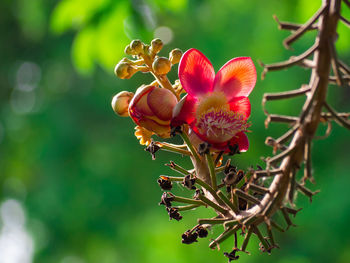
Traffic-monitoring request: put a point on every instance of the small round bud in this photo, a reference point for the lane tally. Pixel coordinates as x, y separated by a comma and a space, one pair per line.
137, 46
156, 45
175, 56
161, 65
120, 103
128, 50
124, 70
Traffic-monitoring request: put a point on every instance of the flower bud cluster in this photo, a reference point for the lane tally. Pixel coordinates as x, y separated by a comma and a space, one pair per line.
152, 105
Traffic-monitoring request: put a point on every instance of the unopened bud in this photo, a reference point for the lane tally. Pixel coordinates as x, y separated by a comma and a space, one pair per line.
175, 56
156, 45
128, 50
124, 70
161, 65
137, 46
120, 103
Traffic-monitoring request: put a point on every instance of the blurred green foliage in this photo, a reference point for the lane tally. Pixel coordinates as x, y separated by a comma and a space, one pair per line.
88, 188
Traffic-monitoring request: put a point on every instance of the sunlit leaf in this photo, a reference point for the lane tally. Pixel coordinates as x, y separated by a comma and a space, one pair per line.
72, 14
83, 50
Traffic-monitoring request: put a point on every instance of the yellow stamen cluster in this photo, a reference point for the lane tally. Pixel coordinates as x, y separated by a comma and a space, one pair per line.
143, 135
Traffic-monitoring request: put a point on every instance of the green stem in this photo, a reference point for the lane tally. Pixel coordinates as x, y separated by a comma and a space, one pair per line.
175, 179
212, 204
186, 207
178, 168
212, 221
234, 198
231, 223
220, 169
190, 146
246, 239
171, 148
211, 167
187, 200
210, 190
246, 197
227, 201
262, 239
226, 234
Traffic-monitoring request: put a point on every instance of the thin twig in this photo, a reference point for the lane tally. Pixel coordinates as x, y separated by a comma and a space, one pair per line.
298, 33
338, 119
345, 21
307, 162
290, 62
335, 65
347, 2
291, 26
344, 67
280, 118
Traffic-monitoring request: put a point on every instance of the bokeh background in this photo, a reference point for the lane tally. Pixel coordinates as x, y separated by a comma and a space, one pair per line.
76, 186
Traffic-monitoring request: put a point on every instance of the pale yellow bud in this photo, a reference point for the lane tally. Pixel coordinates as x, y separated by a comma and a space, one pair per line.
120, 103
156, 45
161, 65
175, 56
137, 46
124, 70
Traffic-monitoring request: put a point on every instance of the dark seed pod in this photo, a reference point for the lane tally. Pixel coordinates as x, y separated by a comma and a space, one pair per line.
204, 148
152, 149
202, 232
165, 183
166, 200
174, 213
189, 182
188, 237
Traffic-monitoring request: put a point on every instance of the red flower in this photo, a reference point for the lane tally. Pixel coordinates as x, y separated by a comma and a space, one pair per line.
216, 106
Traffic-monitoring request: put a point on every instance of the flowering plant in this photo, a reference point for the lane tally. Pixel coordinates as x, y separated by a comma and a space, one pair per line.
212, 119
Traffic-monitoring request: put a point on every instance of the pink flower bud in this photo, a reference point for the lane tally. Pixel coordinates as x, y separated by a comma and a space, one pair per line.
152, 108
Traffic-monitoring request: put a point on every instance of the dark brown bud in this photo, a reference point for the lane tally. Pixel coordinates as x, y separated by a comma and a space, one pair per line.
189, 182
175, 130
204, 148
152, 149
166, 200
165, 183
232, 255
230, 168
202, 232
188, 237
174, 213
234, 149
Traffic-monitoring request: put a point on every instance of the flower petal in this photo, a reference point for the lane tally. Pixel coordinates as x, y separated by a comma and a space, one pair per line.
184, 111
236, 78
161, 102
241, 105
196, 73
242, 140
